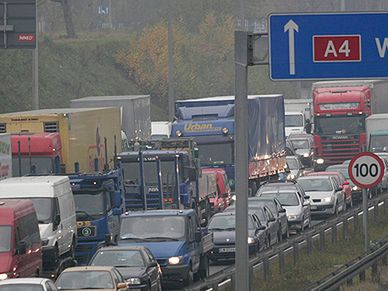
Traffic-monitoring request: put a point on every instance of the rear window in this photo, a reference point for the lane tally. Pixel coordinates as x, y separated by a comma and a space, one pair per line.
21, 287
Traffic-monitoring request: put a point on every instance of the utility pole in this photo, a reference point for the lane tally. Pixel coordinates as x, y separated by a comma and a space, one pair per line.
35, 66
110, 14
171, 66
242, 15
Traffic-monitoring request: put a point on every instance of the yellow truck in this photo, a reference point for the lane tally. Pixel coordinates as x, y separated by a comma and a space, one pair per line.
87, 139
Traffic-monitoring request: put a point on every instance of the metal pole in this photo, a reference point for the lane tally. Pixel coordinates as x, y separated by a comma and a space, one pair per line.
35, 66
365, 217
110, 14
241, 151
160, 181
171, 66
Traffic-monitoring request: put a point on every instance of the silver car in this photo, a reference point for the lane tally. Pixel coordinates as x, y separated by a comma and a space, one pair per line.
297, 207
28, 284
325, 194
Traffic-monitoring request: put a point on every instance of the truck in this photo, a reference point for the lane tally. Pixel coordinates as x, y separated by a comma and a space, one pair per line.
88, 139
210, 122
340, 109
377, 132
164, 174
176, 240
99, 203
297, 115
5, 156
134, 112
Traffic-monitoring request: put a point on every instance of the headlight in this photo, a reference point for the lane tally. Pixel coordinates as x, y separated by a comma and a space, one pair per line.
174, 260
178, 133
133, 281
292, 217
251, 240
234, 197
225, 130
45, 242
306, 155
3, 276
355, 188
291, 177
320, 161
327, 199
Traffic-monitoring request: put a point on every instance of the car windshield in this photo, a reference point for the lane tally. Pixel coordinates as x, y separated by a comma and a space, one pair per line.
292, 163
118, 258
35, 165
225, 222
219, 153
5, 238
285, 198
314, 184
90, 205
300, 144
85, 280
340, 125
153, 226
21, 287
294, 120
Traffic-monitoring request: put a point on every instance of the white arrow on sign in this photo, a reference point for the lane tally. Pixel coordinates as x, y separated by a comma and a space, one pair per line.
291, 27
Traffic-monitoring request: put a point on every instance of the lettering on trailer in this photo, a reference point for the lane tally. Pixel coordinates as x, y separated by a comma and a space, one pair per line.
334, 48
198, 127
26, 37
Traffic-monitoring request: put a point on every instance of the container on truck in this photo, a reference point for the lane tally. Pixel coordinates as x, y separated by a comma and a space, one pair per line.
160, 129
134, 111
89, 137
340, 109
20, 243
5, 156
54, 203
210, 122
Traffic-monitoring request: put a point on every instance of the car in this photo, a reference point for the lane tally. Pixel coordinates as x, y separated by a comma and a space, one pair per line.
223, 227
293, 185
297, 207
295, 166
28, 284
303, 146
91, 278
384, 181
136, 264
325, 193
344, 184
356, 190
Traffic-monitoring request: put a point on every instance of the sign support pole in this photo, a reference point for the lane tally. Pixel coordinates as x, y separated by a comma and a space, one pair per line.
241, 170
35, 66
365, 218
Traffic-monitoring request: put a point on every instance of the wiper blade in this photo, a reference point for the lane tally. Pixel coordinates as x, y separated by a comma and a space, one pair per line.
132, 238
161, 237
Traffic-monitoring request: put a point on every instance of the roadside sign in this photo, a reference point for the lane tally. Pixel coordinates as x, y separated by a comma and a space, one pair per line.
18, 24
366, 170
328, 46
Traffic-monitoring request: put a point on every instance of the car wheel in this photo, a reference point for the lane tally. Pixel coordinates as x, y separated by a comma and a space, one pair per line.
159, 285
279, 235
336, 210
189, 277
268, 241
287, 234
302, 225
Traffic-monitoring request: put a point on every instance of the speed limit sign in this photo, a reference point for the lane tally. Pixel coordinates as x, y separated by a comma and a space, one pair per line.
366, 170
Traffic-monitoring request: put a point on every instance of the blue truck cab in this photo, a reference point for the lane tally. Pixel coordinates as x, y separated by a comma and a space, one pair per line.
210, 122
99, 202
175, 239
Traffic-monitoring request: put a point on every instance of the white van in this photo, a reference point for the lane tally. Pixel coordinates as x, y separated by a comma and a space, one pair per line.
54, 204
294, 123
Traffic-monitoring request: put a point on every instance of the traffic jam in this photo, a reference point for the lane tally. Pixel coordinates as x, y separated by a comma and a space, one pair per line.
88, 203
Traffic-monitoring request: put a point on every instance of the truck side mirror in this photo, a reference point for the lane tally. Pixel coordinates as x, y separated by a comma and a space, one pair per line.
21, 247
116, 199
198, 236
192, 173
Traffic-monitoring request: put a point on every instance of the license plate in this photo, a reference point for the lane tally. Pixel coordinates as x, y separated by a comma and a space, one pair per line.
227, 250
313, 207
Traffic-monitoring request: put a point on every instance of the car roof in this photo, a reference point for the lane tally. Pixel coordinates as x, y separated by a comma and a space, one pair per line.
315, 177
164, 212
24, 281
90, 268
122, 248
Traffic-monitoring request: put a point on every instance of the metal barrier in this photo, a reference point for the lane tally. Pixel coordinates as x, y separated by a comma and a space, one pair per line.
340, 225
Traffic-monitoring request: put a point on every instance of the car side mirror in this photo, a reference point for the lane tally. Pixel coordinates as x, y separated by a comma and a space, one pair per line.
282, 210
271, 219
21, 247
305, 204
153, 264
261, 227
56, 221
198, 236
122, 286
346, 183
339, 189
306, 197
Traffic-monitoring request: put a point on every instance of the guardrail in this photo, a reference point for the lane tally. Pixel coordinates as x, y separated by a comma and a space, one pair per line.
332, 228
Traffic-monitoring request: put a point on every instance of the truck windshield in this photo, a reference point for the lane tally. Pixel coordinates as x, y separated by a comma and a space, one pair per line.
379, 143
153, 227
39, 165
131, 172
340, 125
294, 120
5, 238
216, 153
90, 205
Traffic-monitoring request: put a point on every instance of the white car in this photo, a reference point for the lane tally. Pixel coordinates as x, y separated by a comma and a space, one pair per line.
326, 195
28, 284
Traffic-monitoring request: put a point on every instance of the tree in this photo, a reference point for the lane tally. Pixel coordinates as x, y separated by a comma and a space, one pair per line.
68, 17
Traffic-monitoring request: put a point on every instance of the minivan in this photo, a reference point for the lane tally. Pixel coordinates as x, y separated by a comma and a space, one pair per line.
54, 204
20, 244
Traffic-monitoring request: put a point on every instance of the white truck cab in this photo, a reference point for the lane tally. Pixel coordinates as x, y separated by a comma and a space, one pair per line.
54, 204
294, 122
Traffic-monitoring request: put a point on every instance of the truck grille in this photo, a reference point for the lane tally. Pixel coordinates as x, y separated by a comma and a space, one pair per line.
3, 127
51, 127
336, 149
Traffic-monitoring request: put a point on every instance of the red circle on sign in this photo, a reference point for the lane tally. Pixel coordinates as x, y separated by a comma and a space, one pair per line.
373, 156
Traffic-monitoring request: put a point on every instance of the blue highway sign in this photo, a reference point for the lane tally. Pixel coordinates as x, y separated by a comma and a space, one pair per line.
328, 46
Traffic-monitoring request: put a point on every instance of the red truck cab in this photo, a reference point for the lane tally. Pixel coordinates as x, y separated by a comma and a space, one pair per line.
339, 122
38, 153
20, 243
221, 197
